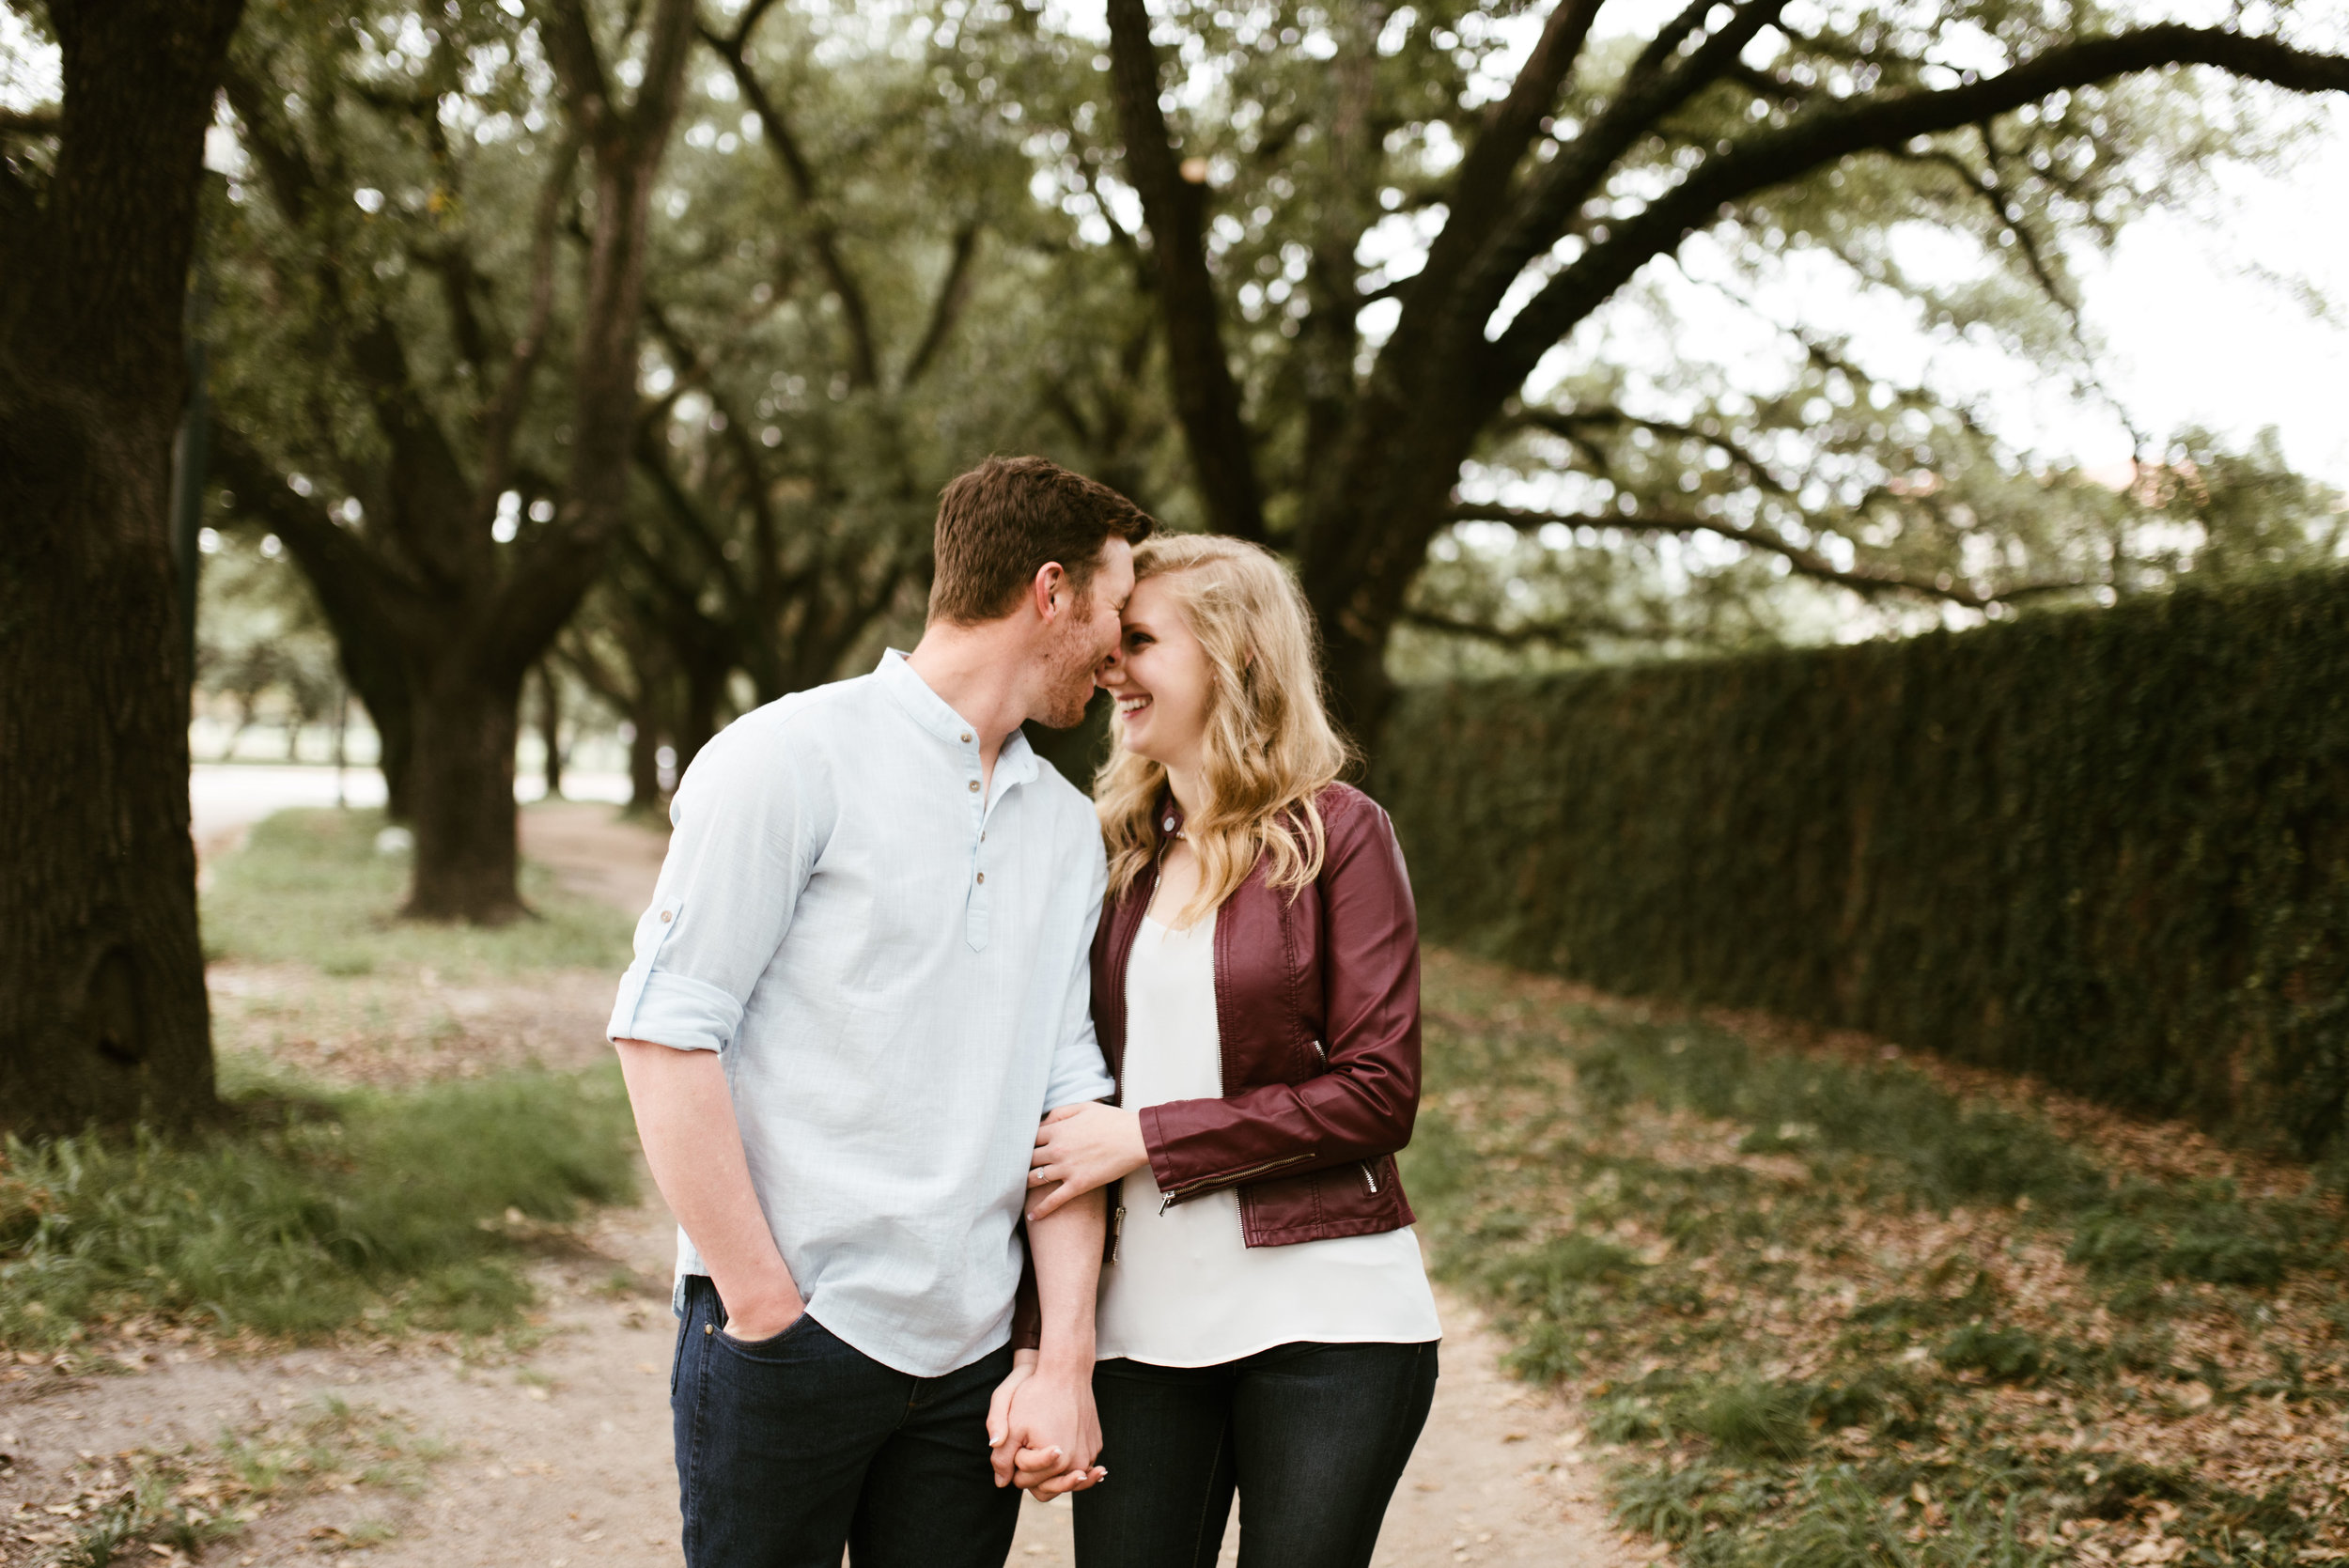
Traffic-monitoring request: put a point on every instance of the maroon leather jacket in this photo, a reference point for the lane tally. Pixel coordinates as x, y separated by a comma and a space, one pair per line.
1316, 995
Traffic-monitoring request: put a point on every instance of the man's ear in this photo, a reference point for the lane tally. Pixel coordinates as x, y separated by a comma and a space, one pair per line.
1049, 579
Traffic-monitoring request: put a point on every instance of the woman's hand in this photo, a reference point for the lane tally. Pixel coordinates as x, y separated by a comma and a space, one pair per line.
1083, 1147
1022, 1453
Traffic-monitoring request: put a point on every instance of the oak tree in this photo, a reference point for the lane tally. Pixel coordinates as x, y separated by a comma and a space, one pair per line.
103, 1011
1372, 228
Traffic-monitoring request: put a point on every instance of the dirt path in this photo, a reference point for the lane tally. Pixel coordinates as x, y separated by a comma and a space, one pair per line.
560, 1456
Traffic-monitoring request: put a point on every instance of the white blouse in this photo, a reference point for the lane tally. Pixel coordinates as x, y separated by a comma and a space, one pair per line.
1185, 1290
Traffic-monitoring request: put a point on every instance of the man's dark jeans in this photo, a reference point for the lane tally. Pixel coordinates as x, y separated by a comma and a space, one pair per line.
1312, 1436
791, 1448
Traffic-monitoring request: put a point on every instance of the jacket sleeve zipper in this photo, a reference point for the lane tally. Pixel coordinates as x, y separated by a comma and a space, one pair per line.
1117, 1231
1192, 1189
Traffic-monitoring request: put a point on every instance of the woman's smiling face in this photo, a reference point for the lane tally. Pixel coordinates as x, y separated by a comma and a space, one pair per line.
1161, 678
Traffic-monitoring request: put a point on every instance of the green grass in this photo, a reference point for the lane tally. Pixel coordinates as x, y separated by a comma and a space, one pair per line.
310, 887
1827, 1311
315, 1214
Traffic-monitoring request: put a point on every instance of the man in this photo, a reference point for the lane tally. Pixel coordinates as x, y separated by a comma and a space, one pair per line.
861, 981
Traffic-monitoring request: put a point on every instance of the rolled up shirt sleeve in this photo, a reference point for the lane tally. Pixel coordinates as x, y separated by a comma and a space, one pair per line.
748, 827
1080, 1071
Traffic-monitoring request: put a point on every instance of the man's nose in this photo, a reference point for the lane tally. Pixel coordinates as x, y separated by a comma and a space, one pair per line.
1111, 668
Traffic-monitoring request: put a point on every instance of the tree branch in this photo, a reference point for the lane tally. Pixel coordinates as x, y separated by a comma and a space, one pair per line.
362, 595
570, 45
1207, 399
2009, 212
734, 48
1572, 631
1571, 425
1653, 90
1831, 132
1804, 560
502, 417
553, 568
697, 366
44, 121
432, 520
669, 38
1479, 196
954, 293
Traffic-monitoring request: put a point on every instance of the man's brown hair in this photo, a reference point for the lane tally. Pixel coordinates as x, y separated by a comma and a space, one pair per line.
1000, 524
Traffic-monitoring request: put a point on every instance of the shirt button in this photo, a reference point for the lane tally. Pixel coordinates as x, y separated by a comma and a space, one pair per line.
974, 786
966, 737
665, 916
982, 878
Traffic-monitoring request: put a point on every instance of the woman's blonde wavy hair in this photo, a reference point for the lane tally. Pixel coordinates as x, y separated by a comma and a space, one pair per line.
1270, 747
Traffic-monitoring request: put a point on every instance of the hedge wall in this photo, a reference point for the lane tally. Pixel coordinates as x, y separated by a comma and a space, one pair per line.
2108, 846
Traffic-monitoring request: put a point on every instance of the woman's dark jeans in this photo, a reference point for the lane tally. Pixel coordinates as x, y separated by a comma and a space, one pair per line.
1312, 1436
791, 1448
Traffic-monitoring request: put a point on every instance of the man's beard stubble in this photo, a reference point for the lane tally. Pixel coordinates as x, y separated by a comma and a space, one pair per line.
1071, 691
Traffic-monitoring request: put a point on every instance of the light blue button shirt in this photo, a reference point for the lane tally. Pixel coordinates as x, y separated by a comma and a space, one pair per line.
890, 959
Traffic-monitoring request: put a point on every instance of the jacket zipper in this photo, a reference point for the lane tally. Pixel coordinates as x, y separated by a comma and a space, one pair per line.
1370, 1177
1167, 1199
1120, 961
1230, 1178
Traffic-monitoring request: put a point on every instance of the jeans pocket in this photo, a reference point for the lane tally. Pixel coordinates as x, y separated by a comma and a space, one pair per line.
775, 1347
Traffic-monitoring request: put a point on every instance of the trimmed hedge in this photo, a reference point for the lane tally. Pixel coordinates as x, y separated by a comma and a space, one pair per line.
2108, 846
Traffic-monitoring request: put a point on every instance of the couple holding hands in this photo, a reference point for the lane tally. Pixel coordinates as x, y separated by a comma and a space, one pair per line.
1019, 1140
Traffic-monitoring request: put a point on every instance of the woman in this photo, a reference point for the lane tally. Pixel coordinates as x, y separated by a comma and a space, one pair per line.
1265, 1323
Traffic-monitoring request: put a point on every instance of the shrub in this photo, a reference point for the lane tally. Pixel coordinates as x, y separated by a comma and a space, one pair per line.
2111, 848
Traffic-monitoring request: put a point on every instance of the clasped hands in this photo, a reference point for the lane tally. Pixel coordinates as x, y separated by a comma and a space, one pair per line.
1040, 1425
1042, 1431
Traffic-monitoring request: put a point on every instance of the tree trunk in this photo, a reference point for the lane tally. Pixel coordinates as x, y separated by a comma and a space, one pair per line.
705, 689
102, 1013
462, 794
551, 726
395, 743
373, 669
1365, 538
643, 754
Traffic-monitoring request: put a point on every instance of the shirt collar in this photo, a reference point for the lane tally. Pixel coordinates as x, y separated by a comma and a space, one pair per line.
1015, 763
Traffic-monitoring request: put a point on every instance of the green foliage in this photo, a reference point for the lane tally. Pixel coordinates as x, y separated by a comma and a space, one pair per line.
2109, 848
312, 887
315, 1215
